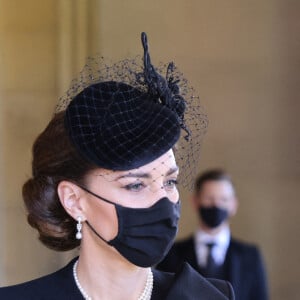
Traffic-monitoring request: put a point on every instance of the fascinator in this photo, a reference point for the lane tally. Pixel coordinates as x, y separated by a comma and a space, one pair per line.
121, 116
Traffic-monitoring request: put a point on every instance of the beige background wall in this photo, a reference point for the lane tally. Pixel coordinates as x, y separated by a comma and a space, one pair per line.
242, 56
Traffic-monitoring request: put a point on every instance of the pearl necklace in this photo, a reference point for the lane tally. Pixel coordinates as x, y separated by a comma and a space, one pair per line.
146, 295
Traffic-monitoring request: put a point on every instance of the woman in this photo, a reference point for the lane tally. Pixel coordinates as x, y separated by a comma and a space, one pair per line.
104, 178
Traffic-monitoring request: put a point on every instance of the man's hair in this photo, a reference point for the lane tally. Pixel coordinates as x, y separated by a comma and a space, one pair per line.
211, 175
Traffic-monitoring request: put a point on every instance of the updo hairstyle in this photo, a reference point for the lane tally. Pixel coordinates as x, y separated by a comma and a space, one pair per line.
54, 160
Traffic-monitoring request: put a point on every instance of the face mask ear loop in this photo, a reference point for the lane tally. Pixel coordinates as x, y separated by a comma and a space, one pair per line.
98, 235
97, 196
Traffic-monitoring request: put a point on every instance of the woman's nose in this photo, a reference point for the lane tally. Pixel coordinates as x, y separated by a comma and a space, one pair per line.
161, 191
158, 189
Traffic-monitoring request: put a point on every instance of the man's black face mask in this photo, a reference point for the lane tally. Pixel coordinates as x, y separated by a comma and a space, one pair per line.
213, 216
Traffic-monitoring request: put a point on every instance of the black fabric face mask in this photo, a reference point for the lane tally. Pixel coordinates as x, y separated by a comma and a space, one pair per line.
213, 216
145, 235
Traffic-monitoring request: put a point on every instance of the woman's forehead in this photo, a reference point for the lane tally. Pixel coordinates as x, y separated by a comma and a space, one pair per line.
162, 166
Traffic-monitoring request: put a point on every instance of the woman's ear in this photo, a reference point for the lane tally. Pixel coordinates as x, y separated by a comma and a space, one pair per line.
69, 195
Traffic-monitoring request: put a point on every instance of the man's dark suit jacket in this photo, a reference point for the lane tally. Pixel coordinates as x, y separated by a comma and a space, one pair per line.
245, 268
187, 284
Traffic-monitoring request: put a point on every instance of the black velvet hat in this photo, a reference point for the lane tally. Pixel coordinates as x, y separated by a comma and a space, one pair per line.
118, 127
122, 116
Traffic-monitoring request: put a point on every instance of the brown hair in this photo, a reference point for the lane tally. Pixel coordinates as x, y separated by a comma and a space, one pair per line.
54, 160
211, 175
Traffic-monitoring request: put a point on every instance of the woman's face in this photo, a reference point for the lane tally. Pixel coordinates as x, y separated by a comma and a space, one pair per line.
138, 188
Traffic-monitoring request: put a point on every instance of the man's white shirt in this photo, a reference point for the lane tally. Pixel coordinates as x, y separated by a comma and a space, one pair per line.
221, 241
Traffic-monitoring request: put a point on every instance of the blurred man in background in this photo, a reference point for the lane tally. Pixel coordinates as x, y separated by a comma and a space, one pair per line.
212, 251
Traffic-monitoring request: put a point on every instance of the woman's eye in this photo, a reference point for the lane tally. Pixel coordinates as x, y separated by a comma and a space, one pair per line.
134, 187
171, 183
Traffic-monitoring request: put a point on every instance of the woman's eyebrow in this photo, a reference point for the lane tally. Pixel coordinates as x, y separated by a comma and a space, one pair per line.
145, 175
172, 170
134, 175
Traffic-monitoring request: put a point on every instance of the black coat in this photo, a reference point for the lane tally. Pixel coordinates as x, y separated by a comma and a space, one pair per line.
245, 269
185, 285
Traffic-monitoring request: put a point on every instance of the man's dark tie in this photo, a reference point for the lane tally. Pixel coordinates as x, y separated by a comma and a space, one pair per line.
211, 267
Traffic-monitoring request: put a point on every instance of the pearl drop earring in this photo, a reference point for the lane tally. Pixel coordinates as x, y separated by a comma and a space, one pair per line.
79, 227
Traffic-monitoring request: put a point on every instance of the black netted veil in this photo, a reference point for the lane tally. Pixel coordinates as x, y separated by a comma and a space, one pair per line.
123, 115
